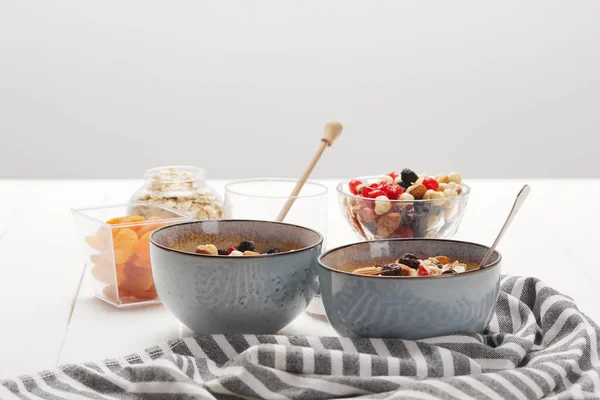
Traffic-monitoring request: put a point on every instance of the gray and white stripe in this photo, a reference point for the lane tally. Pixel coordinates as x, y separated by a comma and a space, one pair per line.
538, 345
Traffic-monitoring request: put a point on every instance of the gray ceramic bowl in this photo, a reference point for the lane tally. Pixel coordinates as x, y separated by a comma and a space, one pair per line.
407, 307
223, 294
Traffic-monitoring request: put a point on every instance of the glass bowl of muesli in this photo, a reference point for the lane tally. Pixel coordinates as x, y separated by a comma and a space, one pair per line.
409, 288
404, 205
180, 188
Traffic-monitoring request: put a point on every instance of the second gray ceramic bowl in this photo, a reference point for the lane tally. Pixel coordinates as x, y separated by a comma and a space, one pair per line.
223, 294
407, 307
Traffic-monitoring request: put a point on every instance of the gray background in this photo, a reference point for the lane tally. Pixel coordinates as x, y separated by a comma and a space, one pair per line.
101, 89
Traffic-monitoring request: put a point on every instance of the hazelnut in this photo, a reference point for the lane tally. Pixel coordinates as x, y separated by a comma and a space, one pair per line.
442, 178
388, 224
455, 177
382, 205
236, 253
251, 253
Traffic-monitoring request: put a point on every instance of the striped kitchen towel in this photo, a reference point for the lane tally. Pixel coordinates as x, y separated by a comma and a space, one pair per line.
538, 345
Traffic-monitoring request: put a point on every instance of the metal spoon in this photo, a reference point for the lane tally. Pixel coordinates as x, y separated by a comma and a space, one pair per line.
516, 206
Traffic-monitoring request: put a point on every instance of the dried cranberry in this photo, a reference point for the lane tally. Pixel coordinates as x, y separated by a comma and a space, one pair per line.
375, 193
404, 232
232, 248
392, 191
365, 191
431, 184
353, 186
422, 271
393, 174
368, 215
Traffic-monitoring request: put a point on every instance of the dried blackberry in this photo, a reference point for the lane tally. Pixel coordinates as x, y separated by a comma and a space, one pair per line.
222, 252
410, 215
422, 207
404, 185
408, 176
391, 270
449, 271
409, 262
274, 250
246, 245
410, 255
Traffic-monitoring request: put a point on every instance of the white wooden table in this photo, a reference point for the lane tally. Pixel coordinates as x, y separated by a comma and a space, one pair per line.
554, 238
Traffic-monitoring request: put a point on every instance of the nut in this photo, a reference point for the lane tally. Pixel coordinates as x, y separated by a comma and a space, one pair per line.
407, 271
417, 191
359, 187
398, 179
450, 193
442, 178
420, 180
443, 186
387, 179
382, 205
406, 196
388, 224
442, 260
437, 195
207, 249
455, 177
367, 271
251, 253
428, 194
236, 253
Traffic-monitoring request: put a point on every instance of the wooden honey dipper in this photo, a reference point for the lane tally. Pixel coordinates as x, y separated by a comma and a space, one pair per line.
332, 130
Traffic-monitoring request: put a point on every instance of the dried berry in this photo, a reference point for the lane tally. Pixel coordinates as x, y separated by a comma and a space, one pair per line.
422, 207
408, 177
449, 271
410, 255
246, 245
391, 270
392, 191
410, 215
274, 250
393, 175
410, 262
422, 271
403, 232
231, 249
404, 185
353, 185
431, 184
223, 252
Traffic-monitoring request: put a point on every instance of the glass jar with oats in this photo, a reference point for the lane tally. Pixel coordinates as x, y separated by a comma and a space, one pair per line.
181, 188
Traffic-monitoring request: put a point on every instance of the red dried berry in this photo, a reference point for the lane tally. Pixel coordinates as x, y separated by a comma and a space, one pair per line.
365, 191
368, 215
375, 193
431, 184
393, 174
232, 248
353, 186
392, 191
403, 232
422, 271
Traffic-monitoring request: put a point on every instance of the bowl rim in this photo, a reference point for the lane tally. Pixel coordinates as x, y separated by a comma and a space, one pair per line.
296, 251
489, 266
229, 188
340, 189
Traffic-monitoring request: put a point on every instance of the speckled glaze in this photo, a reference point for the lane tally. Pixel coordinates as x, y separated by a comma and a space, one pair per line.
407, 307
222, 294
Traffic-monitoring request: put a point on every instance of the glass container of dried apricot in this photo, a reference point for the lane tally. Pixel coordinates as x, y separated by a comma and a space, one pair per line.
116, 248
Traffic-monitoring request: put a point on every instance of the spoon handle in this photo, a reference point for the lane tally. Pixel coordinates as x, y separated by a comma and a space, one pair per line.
515, 208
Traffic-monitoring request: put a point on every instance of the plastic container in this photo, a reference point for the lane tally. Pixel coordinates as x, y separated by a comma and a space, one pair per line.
116, 250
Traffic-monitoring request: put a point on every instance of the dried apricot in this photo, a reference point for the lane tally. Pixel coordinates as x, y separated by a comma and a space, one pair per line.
140, 263
103, 273
95, 243
135, 279
142, 252
150, 227
124, 243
